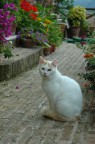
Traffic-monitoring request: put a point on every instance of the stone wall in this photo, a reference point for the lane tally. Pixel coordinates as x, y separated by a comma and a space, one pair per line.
27, 59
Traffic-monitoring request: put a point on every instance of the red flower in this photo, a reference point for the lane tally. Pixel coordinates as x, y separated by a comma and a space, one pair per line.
86, 84
34, 8
88, 55
28, 7
34, 16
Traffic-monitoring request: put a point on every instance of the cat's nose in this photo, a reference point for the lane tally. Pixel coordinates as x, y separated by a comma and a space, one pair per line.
45, 74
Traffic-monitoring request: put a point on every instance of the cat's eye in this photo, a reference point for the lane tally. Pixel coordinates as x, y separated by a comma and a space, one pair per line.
49, 69
43, 68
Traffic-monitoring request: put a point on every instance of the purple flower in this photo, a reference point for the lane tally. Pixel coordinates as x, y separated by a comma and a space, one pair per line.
31, 32
6, 6
12, 5
18, 36
7, 13
6, 21
12, 18
15, 9
1, 10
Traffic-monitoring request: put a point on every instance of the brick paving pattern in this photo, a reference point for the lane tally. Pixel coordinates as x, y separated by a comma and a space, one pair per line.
22, 99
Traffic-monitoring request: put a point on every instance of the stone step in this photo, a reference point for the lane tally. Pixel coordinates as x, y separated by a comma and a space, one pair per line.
23, 59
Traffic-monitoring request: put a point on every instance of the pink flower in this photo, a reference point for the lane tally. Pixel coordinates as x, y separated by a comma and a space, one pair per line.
83, 43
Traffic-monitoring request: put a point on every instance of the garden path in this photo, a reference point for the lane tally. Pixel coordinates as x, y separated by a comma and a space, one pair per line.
21, 101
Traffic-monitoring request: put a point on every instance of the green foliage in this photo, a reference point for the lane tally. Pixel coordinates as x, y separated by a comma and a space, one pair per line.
62, 8
18, 15
77, 16
25, 20
55, 34
3, 2
89, 55
7, 53
44, 11
18, 18
6, 49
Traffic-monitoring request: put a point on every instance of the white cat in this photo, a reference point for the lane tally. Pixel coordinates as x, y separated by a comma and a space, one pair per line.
64, 94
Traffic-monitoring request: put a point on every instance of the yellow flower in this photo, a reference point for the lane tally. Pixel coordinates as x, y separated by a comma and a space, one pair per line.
45, 24
39, 19
48, 21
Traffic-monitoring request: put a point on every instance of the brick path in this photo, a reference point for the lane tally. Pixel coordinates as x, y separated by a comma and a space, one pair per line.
21, 101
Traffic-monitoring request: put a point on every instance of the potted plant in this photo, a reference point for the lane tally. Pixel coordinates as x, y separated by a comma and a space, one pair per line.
76, 18
54, 36
30, 38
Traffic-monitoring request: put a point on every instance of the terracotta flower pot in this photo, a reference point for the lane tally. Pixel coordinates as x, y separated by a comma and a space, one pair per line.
73, 32
53, 47
46, 51
28, 43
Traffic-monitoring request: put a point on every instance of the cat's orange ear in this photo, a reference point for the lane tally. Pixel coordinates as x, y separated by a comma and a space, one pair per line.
54, 63
41, 60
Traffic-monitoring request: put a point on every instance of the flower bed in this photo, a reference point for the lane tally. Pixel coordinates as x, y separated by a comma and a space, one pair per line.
88, 47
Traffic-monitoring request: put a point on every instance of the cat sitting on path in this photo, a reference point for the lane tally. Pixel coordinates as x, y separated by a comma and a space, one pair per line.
64, 94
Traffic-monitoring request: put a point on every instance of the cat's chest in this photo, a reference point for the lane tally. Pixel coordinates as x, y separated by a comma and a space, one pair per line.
52, 86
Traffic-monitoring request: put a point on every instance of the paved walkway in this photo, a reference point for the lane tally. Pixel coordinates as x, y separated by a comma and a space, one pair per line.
21, 100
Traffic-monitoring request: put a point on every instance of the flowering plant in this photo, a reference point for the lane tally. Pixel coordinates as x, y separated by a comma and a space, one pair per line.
77, 16
6, 49
37, 37
14, 11
54, 34
89, 56
29, 15
26, 6
33, 15
6, 21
